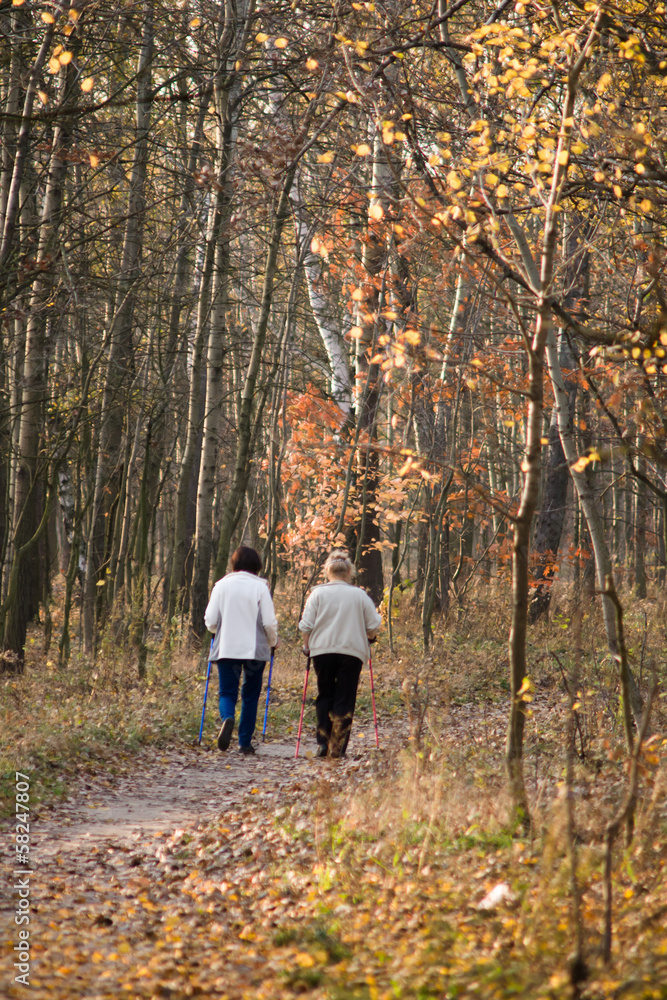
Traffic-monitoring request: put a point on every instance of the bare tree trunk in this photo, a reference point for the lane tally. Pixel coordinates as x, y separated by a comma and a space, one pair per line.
120, 361
193, 426
233, 503
375, 261
641, 518
544, 335
320, 303
12, 188
550, 520
26, 509
234, 33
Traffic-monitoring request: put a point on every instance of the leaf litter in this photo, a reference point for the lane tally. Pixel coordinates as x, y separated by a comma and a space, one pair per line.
209, 875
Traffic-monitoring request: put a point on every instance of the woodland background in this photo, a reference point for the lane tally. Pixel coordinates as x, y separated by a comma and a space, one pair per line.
388, 275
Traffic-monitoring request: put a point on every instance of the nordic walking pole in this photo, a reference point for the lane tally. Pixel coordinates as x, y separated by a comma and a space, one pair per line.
268, 695
375, 718
208, 677
303, 705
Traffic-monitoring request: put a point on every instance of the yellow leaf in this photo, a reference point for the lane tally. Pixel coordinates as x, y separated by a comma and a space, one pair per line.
96, 957
17, 3
325, 158
261, 37
47, 18
501, 191
43, 96
94, 160
646, 205
65, 58
563, 157
74, 14
87, 84
305, 960
453, 180
54, 65
376, 211
363, 149
281, 43
195, 22
491, 180
312, 64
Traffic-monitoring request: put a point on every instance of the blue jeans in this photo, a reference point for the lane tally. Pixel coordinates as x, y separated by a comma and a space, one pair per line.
229, 672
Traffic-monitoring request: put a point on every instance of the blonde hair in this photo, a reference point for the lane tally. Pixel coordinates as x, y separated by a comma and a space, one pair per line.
339, 565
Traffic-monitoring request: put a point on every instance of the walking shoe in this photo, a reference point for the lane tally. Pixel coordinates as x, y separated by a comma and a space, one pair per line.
225, 734
322, 750
247, 750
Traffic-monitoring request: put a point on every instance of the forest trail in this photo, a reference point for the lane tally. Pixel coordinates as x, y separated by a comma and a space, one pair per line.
126, 858
167, 790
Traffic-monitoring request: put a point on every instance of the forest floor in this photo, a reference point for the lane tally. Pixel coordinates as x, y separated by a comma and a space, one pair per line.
172, 871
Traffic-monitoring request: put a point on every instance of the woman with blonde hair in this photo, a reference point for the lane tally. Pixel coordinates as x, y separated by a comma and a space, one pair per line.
337, 622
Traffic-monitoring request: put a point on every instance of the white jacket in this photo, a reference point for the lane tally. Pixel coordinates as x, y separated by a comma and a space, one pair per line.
339, 618
240, 613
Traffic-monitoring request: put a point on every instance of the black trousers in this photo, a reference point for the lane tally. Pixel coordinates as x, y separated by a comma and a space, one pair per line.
337, 682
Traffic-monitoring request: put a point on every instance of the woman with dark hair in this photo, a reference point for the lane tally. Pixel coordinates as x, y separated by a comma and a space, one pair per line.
337, 622
241, 616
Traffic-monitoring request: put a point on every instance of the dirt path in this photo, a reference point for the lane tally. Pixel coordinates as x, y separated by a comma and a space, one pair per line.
182, 877
167, 790
124, 861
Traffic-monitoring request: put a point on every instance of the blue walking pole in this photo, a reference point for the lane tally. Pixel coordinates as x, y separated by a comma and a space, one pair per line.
268, 695
203, 711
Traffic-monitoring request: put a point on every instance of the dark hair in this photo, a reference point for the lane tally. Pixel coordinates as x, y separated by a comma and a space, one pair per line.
246, 560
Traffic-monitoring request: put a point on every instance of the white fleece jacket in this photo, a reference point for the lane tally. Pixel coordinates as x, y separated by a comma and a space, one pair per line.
240, 613
339, 618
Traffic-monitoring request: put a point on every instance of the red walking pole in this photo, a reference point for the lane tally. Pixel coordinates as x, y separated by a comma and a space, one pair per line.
375, 718
303, 705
